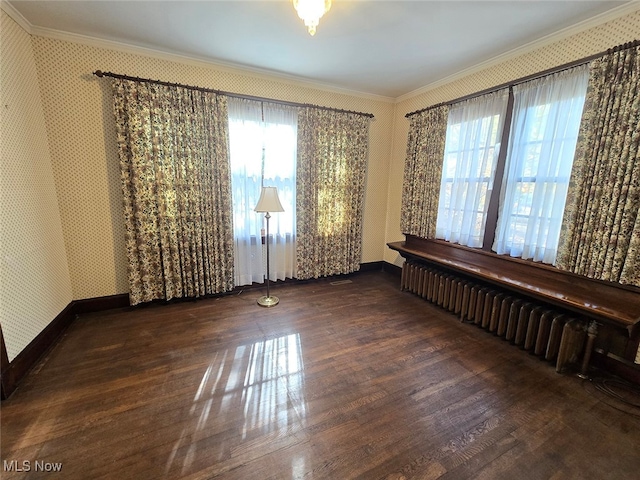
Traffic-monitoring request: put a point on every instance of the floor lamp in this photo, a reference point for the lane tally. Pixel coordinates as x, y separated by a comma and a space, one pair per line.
268, 202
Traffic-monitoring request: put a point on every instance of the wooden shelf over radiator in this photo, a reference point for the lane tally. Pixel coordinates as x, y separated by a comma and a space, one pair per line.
606, 302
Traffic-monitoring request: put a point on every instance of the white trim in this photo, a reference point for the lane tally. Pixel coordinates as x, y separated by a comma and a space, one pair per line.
263, 74
15, 15
268, 75
622, 10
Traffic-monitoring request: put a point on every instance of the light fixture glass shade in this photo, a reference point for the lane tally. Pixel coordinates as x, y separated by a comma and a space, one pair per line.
269, 201
311, 11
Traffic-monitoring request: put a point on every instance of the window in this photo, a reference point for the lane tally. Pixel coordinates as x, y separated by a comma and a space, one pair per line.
263, 144
545, 118
470, 158
542, 142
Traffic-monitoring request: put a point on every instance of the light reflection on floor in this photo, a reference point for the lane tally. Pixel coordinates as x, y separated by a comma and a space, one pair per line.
261, 383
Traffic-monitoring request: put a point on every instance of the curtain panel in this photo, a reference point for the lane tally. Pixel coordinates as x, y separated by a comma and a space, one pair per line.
601, 226
332, 158
423, 172
173, 148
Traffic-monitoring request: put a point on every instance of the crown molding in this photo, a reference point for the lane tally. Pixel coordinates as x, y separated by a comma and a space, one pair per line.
263, 74
15, 15
269, 75
620, 11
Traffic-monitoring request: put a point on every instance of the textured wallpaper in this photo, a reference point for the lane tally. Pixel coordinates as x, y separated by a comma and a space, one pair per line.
575, 47
34, 278
81, 130
62, 235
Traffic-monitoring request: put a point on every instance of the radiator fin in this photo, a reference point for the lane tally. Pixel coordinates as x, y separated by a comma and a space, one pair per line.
526, 323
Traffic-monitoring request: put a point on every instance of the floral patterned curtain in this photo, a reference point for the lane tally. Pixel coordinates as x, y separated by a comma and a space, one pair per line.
601, 226
173, 147
332, 158
423, 172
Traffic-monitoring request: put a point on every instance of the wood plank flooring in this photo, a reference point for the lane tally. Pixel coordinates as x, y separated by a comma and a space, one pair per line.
339, 381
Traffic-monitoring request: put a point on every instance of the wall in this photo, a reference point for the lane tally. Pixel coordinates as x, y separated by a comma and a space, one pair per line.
79, 118
34, 279
574, 47
62, 235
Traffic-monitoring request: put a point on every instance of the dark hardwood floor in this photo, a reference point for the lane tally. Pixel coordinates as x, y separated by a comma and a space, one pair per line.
340, 380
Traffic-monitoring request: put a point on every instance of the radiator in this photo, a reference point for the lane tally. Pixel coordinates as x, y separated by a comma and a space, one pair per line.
533, 326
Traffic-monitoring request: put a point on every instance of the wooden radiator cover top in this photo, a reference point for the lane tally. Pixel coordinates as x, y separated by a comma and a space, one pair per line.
609, 302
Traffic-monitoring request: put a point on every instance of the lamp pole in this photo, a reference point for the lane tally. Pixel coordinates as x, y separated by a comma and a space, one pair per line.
268, 202
268, 301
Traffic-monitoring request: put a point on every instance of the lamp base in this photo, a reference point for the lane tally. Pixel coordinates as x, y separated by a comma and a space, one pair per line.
270, 301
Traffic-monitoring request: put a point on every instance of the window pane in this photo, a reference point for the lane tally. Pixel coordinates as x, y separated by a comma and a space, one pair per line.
471, 153
262, 144
543, 135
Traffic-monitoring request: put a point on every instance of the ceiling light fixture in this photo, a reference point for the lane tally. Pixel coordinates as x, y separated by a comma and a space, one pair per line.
311, 11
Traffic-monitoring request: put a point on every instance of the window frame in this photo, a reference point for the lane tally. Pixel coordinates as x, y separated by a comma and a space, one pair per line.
489, 181
494, 200
493, 209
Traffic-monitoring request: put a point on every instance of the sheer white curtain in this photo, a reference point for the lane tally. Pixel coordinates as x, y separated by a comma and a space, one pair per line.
544, 131
263, 144
471, 152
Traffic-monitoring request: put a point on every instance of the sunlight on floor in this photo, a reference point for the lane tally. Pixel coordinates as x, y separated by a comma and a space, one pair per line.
262, 383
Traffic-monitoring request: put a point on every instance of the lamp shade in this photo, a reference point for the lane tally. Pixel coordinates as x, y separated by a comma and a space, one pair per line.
269, 201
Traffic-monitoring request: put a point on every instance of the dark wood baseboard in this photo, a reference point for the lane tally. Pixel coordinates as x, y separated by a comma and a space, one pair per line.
89, 305
392, 269
27, 358
383, 386
4, 364
13, 372
381, 266
372, 266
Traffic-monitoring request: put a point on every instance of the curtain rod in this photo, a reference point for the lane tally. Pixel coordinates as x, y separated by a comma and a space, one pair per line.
99, 73
550, 71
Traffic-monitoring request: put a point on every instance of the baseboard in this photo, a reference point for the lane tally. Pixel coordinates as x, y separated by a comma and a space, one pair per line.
372, 266
13, 372
90, 305
4, 365
381, 266
27, 358
393, 269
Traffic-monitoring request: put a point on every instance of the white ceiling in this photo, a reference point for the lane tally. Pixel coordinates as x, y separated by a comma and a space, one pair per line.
387, 48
